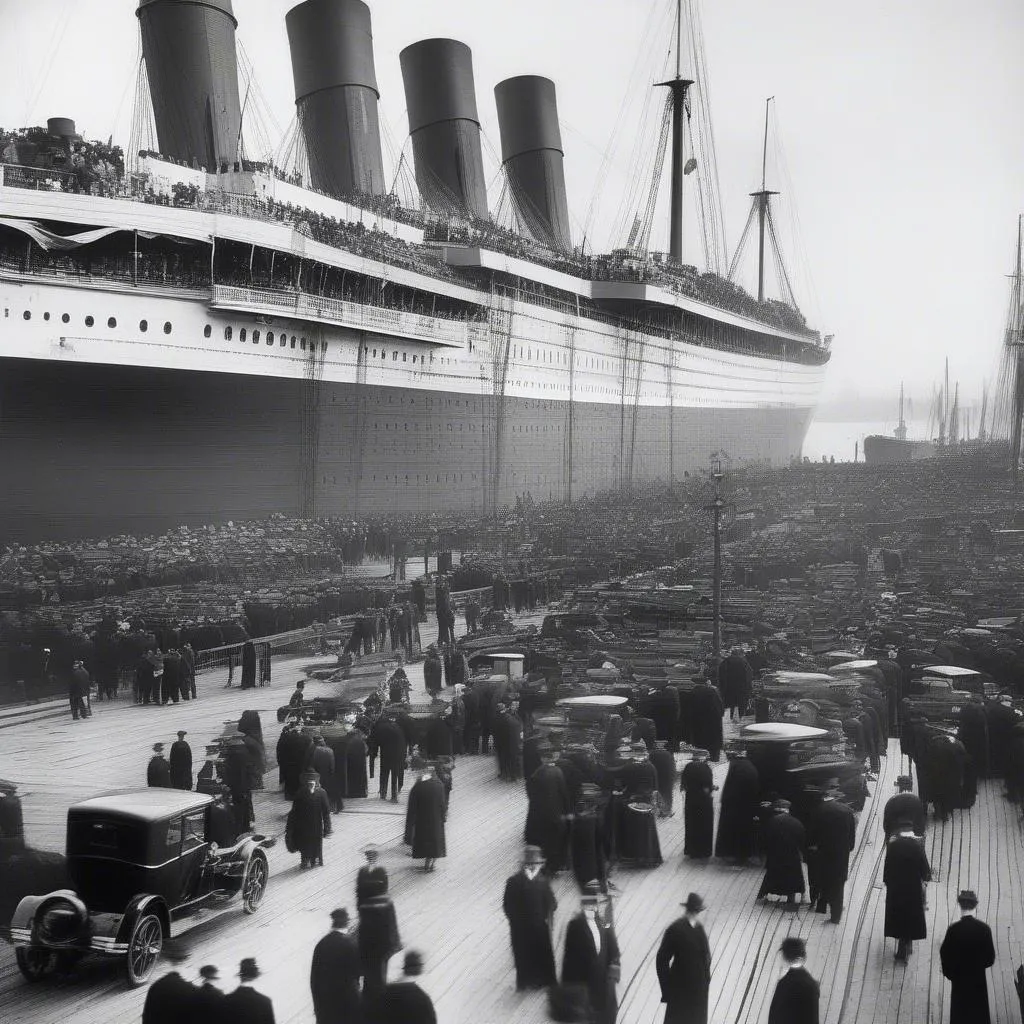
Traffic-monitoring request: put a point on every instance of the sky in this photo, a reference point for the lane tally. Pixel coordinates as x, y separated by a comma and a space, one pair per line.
896, 137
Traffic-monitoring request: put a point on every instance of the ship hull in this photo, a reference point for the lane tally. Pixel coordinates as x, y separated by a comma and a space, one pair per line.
93, 450
880, 450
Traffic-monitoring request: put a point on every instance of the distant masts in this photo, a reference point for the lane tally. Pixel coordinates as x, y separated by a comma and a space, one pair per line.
761, 197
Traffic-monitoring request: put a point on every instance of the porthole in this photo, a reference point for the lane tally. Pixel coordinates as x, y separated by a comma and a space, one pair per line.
241, 334
255, 337
284, 341
207, 331
143, 326
302, 344
167, 327
65, 317
227, 333
89, 321
111, 322
27, 314
293, 341
270, 337
374, 353
46, 316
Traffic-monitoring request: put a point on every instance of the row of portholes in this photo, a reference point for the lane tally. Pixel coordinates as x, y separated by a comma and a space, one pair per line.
281, 339
90, 321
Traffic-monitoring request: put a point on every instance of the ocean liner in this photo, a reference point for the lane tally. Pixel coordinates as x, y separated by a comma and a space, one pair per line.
200, 337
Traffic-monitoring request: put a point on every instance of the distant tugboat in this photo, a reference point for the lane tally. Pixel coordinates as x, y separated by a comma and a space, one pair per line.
880, 449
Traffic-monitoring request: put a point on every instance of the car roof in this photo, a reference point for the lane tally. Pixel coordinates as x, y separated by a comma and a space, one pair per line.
151, 804
949, 671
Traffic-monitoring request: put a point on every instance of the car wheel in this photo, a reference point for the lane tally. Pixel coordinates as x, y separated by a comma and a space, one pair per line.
254, 883
35, 964
144, 949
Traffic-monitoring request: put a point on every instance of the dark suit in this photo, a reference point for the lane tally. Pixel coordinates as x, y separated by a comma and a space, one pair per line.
784, 842
684, 973
582, 964
795, 1000
834, 835
169, 1000
246, 1006
402, 1002
334, 980
967, 953
370, 882
529, 905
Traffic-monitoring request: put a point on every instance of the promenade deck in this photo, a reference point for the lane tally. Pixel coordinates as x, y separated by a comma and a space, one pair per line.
454, 915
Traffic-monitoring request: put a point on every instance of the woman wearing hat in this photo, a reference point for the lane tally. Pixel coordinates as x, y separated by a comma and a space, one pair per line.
697, 784
158, 771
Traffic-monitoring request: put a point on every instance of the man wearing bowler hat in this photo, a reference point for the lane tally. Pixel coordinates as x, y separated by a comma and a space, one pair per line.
403, 1002
529, 905
209, 1000
796, 993
245, 1005
967, 953
684, 966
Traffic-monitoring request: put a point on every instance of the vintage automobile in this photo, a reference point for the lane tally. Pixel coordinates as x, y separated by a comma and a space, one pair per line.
141, 865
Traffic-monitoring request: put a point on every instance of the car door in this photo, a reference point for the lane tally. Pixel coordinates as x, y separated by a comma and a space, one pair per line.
195, 883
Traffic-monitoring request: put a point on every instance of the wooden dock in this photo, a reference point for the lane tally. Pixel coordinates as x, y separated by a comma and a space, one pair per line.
454, 915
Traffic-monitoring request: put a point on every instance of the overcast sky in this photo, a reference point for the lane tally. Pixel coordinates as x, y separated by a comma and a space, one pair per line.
899, 120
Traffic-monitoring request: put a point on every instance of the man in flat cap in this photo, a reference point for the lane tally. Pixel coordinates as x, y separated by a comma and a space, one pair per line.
967, 953
591, 957
795, 1000
158, 772
335, 972
181, 762
309, 821
684, 966
529, 905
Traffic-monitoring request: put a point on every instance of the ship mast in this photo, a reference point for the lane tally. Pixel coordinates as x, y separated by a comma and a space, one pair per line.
678, 87
901, 430
762, 206
1015, 340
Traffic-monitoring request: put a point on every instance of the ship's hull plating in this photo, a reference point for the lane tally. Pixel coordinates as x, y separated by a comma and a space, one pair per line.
108, 427
880, 450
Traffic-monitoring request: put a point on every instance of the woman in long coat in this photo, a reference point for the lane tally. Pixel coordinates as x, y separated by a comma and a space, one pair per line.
547, 810
740, 795
424, 819
697, 784
587, 848
784, 843
905, 873
356, 781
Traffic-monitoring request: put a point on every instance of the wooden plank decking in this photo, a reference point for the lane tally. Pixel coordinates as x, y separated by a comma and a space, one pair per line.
454, 915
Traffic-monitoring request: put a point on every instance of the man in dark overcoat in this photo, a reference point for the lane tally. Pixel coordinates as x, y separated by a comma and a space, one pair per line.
697, 785
665, 770
548, 811
308, 822
425, 814
403, 1002
796, 996
171, 999
663, 707
334, 974
967, 953
372, 877
158, 771
905, 873
245, 1005
432, 672
356, 782
684, 966
735, 679
378, 942
529, 905
322, 761
945, 769
588, 846
248, 665
784, 845
738, 808
705, 714
832, 837
171, 681
180, 763
336, 737
591, 958
904, 806
388, 739
439, 738
188, 672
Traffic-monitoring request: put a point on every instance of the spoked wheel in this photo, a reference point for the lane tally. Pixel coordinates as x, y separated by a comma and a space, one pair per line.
35, 964
254, 883
144, 949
